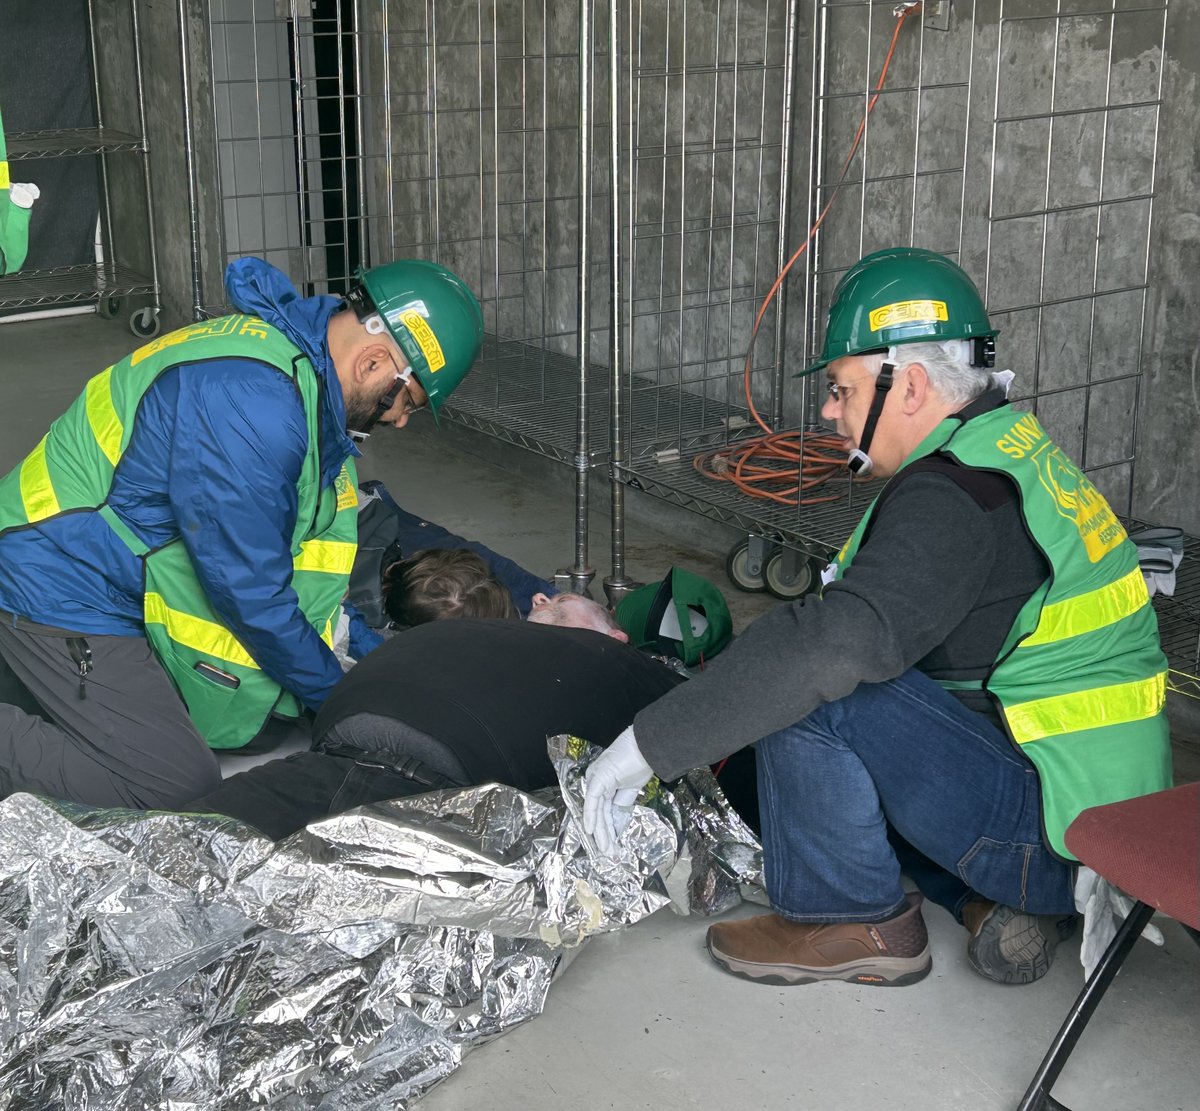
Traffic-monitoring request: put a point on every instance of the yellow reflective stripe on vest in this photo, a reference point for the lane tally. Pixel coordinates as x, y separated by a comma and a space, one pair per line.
196, 633
37, 491
330, 629
102, 416
333, 557
1090, 709
1093, 610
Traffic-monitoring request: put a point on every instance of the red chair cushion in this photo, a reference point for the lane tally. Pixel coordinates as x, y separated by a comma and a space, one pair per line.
1148, 846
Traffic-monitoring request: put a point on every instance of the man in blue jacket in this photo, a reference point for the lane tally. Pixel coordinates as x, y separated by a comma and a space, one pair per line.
175, 551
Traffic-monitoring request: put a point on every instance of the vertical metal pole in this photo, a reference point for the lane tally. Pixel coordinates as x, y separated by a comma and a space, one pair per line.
109, 261
343, 147
581, 574
219, 223
785, 206
302, 180
435, 170
141, 100
364, 228
618, 583
189, 161
387, 138
820, 59
1141, 348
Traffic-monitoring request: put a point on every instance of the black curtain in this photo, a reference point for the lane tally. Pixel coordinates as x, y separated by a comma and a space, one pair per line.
46, 82
335, 118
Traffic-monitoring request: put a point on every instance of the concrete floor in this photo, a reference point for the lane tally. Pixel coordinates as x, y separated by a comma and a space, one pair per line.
643, 1019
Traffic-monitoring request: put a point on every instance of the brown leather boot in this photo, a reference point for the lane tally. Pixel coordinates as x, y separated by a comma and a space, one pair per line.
1009, 946
773, 950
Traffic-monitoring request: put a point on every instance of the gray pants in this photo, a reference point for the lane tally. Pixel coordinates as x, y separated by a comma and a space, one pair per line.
122, 739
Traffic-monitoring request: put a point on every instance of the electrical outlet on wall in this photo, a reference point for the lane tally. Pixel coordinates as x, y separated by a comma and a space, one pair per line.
937, 14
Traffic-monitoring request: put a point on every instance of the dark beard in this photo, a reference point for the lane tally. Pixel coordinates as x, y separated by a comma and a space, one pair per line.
361, 414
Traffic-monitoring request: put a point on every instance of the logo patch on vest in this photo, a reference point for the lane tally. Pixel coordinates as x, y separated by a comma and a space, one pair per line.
907, 312
1079, 501
240, 325
343, 485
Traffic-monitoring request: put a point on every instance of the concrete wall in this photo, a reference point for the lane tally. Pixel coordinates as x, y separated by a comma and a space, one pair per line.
992, 143
1020, 139
1167, 482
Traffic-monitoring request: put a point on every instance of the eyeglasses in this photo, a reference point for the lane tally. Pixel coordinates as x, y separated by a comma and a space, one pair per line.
839, 390
405, 377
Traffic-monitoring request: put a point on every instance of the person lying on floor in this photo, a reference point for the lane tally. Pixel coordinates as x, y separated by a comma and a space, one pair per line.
451, 704
441, 584
388, 534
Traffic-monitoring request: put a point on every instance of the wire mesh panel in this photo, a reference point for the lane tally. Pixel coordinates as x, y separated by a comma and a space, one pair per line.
708, 133
301, 125
1017, 136
488, 120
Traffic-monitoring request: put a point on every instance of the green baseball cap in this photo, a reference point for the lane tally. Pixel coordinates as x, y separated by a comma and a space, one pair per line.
684, 615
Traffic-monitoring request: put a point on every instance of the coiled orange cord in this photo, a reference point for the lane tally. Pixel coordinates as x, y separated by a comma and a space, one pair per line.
754, 466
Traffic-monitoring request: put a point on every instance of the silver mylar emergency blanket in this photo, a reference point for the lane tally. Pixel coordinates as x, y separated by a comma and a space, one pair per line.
170, 961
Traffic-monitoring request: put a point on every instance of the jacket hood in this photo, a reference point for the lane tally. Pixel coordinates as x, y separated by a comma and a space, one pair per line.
257, 287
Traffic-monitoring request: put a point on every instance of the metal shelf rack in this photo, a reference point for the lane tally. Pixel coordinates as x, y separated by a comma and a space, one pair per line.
523, 394
106, 282
70, 141
1179, 623
69, 284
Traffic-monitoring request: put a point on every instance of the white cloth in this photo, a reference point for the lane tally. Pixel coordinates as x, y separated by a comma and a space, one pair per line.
1104, 907
341, 640
1003, 379
1153, 559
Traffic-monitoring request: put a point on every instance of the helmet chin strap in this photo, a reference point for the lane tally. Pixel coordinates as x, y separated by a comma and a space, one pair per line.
860, 462
359, 435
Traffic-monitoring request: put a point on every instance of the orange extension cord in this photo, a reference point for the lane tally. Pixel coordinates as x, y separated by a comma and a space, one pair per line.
753, 466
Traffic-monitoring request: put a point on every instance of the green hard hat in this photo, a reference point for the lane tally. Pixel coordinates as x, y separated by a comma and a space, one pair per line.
683, 615
901, 295
431, 314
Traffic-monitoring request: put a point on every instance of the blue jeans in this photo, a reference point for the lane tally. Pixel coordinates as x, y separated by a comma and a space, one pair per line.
907, 757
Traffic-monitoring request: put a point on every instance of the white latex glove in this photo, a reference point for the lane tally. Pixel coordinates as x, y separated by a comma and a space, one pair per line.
610, 788
23, 193
1103, 907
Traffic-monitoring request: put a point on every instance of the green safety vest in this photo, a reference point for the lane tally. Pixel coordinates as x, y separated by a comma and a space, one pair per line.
227, 695
1081, 677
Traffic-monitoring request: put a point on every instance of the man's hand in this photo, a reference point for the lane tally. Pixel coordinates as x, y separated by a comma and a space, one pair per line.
610, 787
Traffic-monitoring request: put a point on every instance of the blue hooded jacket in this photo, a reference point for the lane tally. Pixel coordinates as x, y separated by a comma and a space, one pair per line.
214, 458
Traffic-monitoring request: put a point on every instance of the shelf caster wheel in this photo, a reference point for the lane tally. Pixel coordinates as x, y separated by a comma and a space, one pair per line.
740, 565
145, 324
789, 574
109, 307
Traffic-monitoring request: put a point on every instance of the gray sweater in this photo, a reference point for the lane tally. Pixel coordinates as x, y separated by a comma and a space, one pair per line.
936, 585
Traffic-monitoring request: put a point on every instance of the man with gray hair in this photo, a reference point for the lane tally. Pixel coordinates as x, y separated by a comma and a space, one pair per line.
982, 664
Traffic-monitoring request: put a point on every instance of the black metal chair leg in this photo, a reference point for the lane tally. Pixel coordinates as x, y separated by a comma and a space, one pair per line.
1037, 1096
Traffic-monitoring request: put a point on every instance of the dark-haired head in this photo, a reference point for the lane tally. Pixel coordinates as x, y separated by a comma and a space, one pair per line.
442, 583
